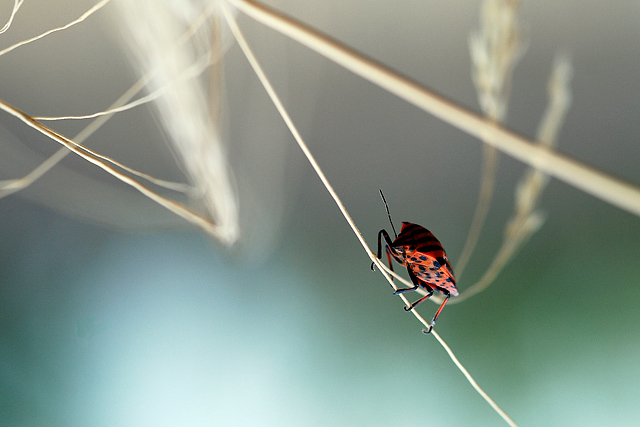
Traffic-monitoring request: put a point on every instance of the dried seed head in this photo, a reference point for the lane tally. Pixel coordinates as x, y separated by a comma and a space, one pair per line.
188, 109
495, 50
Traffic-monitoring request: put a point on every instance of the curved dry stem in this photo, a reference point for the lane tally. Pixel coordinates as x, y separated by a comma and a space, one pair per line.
526, 220
195, 70
487, 186
603, 186
11, 186
495, 49
287, 119
16, 6
82, 17
504, 255
109, 111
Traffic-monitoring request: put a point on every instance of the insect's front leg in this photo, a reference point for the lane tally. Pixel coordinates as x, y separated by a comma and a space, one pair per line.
382, 234
435, 317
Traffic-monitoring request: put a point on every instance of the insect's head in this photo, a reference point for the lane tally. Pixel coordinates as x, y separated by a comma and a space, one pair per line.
399, 252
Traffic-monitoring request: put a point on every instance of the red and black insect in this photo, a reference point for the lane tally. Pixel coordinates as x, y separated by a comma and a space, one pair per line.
418, 249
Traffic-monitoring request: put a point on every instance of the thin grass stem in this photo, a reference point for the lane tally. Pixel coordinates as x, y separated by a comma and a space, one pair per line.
16, 6
303, 146
82, 17
502, 258
294, 131
8, 187
487, 186
473, 382
97, 160
195, 70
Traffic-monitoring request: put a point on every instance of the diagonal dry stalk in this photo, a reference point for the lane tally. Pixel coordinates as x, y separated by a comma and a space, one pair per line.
209, 174
592, 181
8, 187
97, 160
193, 71
303, 146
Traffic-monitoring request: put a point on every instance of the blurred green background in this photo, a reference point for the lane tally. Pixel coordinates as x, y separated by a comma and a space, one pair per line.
134, 319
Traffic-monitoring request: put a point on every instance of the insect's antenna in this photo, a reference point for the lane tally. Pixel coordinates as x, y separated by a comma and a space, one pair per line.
388, 214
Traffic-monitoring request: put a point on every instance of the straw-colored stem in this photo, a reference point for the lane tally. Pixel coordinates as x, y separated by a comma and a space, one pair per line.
504, 255
473, 382
303, 146
81, 18
8, 187
585, 178
16, 6
193, 71
88, 155
294, 131
487, 186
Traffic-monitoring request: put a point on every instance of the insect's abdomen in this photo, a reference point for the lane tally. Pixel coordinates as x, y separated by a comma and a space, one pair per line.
433, 271
425, 256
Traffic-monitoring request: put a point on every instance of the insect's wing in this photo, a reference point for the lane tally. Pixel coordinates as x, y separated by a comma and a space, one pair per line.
415, 237
428, 257
410, 235
435, 271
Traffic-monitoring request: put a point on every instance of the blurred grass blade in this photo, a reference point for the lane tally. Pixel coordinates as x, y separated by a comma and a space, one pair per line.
188, 111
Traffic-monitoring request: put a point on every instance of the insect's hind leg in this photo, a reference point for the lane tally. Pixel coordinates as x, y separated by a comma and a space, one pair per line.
412, 306
435, 317
416, 285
